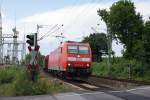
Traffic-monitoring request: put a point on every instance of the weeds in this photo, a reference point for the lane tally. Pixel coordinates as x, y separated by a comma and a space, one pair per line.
16, 82
122, 68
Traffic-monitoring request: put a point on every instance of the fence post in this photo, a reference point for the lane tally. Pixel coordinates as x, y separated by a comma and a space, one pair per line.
129, 71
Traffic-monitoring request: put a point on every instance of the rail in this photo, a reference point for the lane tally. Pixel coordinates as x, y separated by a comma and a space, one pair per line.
139, 82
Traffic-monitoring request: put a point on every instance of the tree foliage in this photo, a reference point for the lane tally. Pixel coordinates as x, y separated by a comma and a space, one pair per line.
146, 42
124, 24
98, 43
104, 15
40, 59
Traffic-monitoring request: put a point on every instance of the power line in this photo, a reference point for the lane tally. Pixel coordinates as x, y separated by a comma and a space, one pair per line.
47, 35
50, 33
76, 17
81, 13
76, 2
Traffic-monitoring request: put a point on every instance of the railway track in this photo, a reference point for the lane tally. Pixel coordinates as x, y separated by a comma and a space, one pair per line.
118, 84
83, 85
88, 86
123, 80
97, 83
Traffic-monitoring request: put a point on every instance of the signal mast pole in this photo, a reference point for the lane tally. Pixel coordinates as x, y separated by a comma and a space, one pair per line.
37, 32
33, 66
60, 36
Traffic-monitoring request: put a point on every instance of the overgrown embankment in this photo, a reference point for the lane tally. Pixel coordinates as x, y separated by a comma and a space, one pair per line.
123, 69
15, 81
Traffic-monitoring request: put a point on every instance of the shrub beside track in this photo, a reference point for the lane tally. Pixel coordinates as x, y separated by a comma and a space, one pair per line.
15, 81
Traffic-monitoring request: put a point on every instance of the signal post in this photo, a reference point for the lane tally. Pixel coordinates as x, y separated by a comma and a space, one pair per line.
33, 48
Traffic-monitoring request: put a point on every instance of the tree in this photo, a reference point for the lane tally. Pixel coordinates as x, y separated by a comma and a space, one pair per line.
124, 24
40, 59
146, 42
98, 43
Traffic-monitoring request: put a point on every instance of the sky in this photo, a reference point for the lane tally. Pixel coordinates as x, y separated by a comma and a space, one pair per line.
76, 16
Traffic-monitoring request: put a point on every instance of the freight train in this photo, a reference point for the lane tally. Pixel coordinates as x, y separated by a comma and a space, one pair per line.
71, 59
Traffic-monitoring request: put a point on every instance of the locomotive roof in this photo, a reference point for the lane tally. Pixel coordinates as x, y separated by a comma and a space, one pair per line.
75, 43
71, 43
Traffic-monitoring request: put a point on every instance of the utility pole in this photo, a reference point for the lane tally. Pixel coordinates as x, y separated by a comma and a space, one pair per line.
61, 37
15, 43
15, 46
109, 44
23, 50
38, 27
1, 40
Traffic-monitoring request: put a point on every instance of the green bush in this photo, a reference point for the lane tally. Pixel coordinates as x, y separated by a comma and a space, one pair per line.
100, 69
22, 85
17, 82
6, 90
7, 75
120, 69
45, 86
41, 87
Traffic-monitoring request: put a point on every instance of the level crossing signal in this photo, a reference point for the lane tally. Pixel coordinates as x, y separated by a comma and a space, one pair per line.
32, 39
33, 66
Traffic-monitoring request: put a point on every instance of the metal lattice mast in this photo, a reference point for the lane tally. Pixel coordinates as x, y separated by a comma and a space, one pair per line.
23, 53
15, 46
7, 57
1, 41
8, 49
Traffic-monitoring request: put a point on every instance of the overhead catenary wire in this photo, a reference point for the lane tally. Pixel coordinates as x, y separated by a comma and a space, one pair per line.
69, 12
84, 10
75, 18
49, 33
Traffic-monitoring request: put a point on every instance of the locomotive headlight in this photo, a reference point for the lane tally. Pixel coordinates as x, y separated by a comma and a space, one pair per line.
69, 64
72, 59
87, 65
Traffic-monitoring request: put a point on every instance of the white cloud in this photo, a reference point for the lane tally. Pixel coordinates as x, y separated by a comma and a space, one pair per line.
143, 7
77, 21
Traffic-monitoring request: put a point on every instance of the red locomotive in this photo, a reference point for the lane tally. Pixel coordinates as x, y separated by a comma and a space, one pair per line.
71, 59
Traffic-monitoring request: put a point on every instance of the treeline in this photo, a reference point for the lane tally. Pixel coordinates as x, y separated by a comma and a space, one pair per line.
98, 43
128, 27
40, 59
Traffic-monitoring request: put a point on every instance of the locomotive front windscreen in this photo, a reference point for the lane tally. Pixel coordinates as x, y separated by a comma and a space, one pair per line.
83, 50
72, 49
78, 49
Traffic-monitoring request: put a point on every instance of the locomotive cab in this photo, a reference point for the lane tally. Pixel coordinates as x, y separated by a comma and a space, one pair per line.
79, 59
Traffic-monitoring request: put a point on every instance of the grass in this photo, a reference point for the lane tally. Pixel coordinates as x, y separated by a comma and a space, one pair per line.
15, 81
7, 75
120, 69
